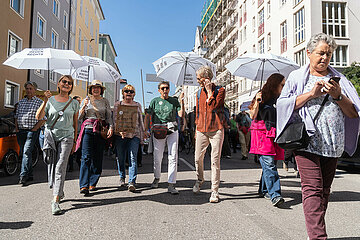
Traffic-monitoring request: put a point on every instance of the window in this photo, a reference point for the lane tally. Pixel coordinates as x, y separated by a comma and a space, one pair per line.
85, 46
65, 21
90, 51
253, 24
39, 72
81, 7
268, 9
299, 23
296, 2
254, 48
283, 37
14, 44
86, 17
261, 46
91, 28
240, 37
244, 9
300, 57
52, 76
18, 6
56, 8
261, 22
269, 41
79, 46
11, 93
244, 31
63, 45
334, 19
340, 57
241, 16
54, 38
41, 26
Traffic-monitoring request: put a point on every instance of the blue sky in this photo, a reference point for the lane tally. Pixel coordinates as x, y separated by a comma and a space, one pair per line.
144, 30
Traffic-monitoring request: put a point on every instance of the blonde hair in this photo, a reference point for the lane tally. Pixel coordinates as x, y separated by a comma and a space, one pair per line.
128, 87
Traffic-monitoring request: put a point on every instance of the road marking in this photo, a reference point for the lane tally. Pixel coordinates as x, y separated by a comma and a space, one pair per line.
187, 164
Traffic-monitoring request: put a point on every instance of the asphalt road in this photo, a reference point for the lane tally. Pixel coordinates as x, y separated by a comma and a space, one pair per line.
114, 213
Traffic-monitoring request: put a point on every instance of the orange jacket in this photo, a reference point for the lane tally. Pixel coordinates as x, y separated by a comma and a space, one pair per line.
210, 114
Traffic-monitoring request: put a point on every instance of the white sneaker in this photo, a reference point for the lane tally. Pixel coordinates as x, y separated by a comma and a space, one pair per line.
197, 186
155, 183
172, 189
214, 197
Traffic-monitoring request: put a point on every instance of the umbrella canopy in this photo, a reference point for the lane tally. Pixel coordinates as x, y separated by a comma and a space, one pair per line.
96, 69
259, 67
46, 59
180, 67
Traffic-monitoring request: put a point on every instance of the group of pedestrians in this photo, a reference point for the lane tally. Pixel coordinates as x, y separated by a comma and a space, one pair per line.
279, 103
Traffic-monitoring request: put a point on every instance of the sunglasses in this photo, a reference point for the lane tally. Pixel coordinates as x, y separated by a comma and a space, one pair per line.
66, 82
129, 91
165, 88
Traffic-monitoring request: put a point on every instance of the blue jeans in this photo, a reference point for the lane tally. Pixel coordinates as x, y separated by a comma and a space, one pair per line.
92, 150
41, 138
26, 140
127, 148
270, 176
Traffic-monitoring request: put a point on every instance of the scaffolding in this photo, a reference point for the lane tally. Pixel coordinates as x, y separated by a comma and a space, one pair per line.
210, 7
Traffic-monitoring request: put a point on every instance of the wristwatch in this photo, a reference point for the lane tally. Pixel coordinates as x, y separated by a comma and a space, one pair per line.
339, 98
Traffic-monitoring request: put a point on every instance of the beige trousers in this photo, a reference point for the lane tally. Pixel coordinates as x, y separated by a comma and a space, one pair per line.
244, 142
202, 142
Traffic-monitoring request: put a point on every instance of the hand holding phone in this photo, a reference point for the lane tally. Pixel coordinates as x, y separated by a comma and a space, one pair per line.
335, 79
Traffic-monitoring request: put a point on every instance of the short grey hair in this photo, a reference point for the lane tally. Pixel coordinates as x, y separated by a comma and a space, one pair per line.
205, 72
321, 37
32, 84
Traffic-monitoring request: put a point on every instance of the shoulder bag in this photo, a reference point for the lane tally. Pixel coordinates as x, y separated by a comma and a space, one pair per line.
294, 136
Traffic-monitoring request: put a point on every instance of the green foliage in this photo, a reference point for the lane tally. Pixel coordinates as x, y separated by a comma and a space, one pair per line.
353, 74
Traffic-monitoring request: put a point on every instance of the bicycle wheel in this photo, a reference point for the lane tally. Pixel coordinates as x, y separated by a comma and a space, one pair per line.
11, 163
35, 155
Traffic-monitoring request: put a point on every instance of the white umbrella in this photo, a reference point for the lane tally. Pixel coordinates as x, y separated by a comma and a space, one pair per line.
46, 59
180, 67
96, 69
259, 67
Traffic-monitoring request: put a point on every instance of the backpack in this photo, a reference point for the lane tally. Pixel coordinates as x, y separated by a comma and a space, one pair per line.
226, 111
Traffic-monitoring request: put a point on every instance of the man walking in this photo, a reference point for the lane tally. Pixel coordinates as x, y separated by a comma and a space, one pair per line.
27, 128
210, 122
163, 111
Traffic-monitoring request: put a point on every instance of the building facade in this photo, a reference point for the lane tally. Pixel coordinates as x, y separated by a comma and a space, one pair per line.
50, 29
231, 28
88, 17
108, 54
15, 22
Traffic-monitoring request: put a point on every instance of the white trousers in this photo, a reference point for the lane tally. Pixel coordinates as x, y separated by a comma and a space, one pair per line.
159, 146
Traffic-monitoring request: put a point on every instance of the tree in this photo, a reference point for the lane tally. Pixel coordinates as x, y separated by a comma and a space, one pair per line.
353, 74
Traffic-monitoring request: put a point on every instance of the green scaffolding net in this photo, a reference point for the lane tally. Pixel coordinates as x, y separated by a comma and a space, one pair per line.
207, 12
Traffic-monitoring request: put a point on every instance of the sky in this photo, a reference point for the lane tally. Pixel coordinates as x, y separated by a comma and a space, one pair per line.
142, 31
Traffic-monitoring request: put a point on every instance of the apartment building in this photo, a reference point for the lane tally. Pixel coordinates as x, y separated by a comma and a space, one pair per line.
15, 21
50, 28
231, 28
86, 42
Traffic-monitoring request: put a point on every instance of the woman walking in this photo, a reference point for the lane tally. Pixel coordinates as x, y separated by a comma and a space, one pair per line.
127, 139
263, 129
336, 128
96, 113
61, 112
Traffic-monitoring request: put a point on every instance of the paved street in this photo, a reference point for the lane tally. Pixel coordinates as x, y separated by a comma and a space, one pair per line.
114, 213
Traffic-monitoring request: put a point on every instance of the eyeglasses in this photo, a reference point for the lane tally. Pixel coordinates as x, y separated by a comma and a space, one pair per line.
129, 91
164, 88
66, 82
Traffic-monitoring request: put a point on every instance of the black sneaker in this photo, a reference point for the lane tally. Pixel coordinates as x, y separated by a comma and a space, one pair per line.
23, 181
277, 201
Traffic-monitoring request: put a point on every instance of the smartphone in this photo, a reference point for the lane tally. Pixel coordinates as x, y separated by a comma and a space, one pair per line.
335, 78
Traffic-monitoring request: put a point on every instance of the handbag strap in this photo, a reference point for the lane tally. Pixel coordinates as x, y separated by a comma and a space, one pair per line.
321, 107
63, 110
